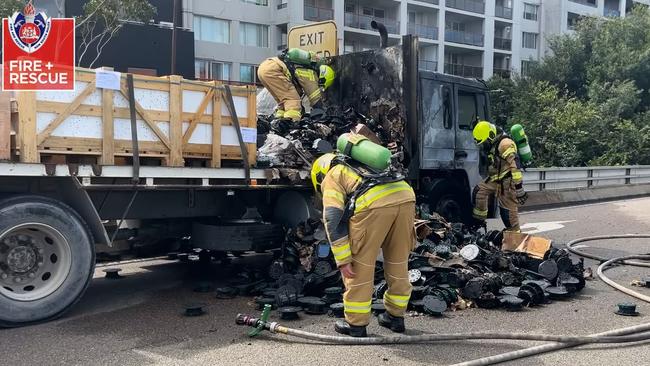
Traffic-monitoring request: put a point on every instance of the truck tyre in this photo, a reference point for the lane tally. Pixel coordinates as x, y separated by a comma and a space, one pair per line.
448, 202
47, 259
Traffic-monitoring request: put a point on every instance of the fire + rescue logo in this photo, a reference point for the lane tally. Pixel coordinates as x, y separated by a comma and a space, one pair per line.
37, 51
29, 30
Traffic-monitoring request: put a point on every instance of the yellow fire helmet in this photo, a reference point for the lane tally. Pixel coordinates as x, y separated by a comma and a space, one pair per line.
326, 76
319, 169
484, 131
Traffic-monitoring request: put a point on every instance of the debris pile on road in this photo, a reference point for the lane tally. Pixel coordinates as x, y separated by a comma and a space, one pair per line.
289, 148
451, 268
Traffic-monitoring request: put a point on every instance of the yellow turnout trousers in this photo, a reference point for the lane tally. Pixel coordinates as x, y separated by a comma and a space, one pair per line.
391, 230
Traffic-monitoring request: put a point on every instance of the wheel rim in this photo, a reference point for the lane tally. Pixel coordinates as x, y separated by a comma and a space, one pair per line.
450, 210
34, 261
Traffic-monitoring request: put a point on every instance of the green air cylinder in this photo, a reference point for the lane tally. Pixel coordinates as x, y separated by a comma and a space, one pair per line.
298, 56
364, 151
519, 136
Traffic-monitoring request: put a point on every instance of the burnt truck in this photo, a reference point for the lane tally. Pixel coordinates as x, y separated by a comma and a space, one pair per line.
430, 115
57, 219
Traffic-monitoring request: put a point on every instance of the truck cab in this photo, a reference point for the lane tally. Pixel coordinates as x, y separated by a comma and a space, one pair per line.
430, 115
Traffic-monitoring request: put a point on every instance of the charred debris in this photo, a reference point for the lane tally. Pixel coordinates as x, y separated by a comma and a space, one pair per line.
451, 268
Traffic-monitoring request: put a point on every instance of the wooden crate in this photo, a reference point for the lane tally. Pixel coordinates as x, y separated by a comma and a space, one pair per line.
178, 120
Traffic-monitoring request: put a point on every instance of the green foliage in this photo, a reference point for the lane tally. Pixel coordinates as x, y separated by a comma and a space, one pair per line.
9, 7
588, 103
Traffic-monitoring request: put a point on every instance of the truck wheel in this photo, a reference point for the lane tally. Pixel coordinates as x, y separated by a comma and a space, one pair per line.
47, 259
448, 203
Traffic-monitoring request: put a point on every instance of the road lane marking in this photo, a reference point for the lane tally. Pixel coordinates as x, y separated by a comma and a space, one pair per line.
541, 227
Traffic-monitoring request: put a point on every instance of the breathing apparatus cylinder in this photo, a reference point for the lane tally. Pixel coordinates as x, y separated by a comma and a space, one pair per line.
523, 148
364, 151
298, 56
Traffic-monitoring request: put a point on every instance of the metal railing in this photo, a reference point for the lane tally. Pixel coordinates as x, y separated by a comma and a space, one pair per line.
548, 179
611, 13
428, 65
434, 2
503, 43
363, 22
318, 14
504, 73
586, 2
474, 39
282, 5
503, 12
467, 71
422, 30
474, 6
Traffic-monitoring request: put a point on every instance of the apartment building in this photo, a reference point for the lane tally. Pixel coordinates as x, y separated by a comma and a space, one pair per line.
471, 38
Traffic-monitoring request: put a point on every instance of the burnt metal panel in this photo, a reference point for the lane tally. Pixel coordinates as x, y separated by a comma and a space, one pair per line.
372, 83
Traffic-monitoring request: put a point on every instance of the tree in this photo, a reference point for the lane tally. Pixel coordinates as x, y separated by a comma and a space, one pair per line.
9, 7
101, 21
588, 102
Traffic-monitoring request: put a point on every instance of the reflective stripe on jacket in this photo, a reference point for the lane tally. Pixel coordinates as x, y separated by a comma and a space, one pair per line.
337, 187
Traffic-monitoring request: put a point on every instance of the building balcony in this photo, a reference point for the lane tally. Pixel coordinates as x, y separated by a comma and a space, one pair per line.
586, 2
611, 13
363, 22
503, 12
504, 73
424, 31
474, 6
282, 6
434, 2
467, 71
474, 39
428, 65
503, 43
318, 14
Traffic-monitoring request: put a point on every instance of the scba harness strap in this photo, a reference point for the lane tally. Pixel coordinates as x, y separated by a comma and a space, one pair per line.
369, 179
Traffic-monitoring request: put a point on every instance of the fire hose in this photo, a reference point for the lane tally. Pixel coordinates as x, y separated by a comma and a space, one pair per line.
635, 333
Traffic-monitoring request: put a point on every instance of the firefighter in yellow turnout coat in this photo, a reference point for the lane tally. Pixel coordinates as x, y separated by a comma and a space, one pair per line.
504, 176
382, 218
292, 74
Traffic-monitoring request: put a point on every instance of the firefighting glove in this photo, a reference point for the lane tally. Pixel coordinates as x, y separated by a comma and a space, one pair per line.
522, 196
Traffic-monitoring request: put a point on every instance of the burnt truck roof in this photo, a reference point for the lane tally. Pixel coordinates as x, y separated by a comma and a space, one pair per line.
474, 83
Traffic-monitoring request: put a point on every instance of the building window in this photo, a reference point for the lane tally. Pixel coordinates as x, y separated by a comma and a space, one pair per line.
256, 2
211, 29
211, 70
455, 26
526, 67
251, 34
350, 8
348, 48
529, 40
248, 73
530, 11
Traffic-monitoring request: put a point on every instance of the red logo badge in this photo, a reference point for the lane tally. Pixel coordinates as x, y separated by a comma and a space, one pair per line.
37, 51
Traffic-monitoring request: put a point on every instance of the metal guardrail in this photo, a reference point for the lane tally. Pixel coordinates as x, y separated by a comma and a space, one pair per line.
550, 179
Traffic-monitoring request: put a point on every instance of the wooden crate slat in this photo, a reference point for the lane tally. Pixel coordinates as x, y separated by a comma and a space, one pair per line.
156, 113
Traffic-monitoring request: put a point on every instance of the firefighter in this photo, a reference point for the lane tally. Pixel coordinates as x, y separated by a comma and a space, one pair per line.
291, 75
504, 178
361, 216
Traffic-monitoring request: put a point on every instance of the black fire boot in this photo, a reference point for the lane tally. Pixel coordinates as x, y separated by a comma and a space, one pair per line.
341, 326
396, 324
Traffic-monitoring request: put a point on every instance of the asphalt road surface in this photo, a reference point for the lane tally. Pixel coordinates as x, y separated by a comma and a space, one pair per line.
138, 320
